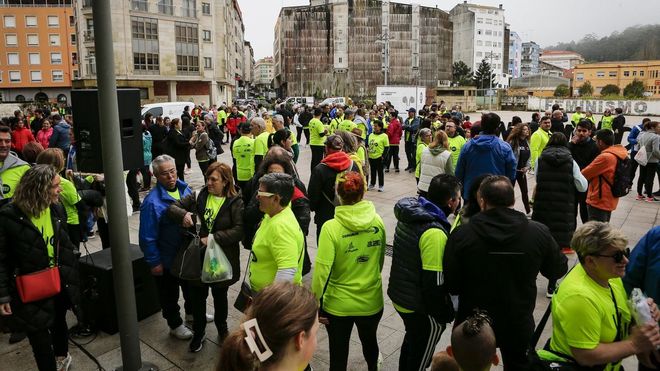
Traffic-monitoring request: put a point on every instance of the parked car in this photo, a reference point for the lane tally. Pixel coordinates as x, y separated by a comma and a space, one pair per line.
166, 109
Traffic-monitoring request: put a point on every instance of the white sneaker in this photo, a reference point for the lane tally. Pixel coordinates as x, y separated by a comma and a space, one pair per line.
380, 189
209, 318
63, 364
181, 333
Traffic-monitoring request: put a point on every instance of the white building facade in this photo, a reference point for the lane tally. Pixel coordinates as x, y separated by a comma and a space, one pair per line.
515, 54
561, 58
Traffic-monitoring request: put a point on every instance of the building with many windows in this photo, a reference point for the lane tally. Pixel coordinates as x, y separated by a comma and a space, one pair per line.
479, 34
263, 74
529, 63
619, 73
515, 54
561, 58
247, 79
39, 55
170, 49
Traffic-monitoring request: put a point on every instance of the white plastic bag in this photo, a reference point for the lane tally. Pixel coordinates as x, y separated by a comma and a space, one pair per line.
641, 156
216, 267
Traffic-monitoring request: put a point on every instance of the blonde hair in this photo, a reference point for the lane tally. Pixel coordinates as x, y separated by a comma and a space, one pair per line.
32, 194
594, 237
440, 140
53, 157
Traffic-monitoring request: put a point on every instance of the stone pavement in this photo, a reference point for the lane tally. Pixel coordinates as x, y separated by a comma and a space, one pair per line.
634, 217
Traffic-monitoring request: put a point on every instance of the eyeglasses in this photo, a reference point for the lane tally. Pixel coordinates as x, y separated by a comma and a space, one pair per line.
617, 256
265, 194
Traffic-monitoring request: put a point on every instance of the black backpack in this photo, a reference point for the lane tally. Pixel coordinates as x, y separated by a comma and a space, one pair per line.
622, 182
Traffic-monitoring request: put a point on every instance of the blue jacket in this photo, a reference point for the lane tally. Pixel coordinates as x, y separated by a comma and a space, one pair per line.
160, 236
486, 154
632, 138
643, 270
60, 137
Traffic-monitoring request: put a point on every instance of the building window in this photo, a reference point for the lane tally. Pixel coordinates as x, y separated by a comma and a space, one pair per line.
74, 58
11, 40
55, 58
479, 32
58, 76
641, 73
489, 21
13, 59
626, 73
54, 40
489, 32
189, 8
30, 21
73, 38
480, 20
165, 7
72, 21
141, 5
146, 62
206, 8
144, 28
186, 33
33, 39
489, 43
579, 76
53, 21
479, 54
14, 76
206, 35
187, 48
480, 43
600, 74
35, 76
634, 73
208, 63
187, 63
612, 74
9, 21
35, 58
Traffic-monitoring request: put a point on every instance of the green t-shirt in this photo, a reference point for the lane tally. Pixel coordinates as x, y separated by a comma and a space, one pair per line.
606, 122
362, 126
243, 152
278, 244
45, 225
222, 116
261, 144
576, 117
213, 205
361, 154
583, 313
537, 143
69, 197
377, 144
175, 194
418, 158
10, 179
350, 262
346, 125
316, 128
455, 146
431, 249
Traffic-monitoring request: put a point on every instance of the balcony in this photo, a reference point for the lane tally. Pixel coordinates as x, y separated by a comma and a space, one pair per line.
88, 36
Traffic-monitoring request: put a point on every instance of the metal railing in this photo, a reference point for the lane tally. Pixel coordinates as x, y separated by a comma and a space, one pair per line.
88, 36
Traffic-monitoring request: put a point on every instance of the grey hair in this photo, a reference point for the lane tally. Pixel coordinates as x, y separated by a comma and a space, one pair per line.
158, 161
350, 144
279, 118
594, 237
280, 184
258, 121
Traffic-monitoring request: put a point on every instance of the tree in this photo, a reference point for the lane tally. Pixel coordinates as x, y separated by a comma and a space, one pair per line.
562, 90
634, 90
461, 74
586, 89
610, 89
483, 77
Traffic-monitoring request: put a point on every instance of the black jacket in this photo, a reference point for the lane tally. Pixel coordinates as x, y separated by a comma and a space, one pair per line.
584, 152
23, 251
227, 227
556, 126
321, 189
177, 146
554, 203
492, 263
158, 136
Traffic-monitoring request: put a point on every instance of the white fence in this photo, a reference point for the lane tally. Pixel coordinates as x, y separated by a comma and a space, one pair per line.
597, 106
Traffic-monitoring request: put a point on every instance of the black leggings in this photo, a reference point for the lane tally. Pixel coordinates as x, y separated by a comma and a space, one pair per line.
198, 294
376, 166
646, 178
422, 335
521, 178
317, 156
53, 342
392, 154
339, 336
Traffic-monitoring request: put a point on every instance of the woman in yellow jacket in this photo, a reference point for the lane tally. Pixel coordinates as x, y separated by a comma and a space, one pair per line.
347, 273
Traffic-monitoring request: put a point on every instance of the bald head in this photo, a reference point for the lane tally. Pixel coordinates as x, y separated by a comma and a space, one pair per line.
557, 114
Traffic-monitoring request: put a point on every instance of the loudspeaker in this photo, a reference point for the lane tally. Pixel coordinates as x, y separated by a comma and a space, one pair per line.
86, 127
98, 294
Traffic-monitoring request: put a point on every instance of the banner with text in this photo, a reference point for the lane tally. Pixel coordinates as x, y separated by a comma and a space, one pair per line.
597, 106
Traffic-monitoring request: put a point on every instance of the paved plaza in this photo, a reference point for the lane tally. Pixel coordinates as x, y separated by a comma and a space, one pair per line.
635, 218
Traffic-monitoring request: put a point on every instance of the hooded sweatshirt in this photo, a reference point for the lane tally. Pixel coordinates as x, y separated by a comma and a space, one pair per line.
434, 161
486, 154
351, 251
322, 182
11, 172
599, 194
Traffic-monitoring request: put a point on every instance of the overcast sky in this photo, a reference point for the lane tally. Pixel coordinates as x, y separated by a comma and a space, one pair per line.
546, 22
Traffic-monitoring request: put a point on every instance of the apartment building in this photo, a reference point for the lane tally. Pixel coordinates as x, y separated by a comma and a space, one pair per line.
561, 58
170, 49
619, 73
515, 54
38, 53
529, 63
479, 34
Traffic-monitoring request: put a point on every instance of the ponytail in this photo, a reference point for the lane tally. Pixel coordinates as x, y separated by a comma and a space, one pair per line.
235, 354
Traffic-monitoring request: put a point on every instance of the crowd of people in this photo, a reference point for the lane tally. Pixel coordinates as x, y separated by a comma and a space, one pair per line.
462, 255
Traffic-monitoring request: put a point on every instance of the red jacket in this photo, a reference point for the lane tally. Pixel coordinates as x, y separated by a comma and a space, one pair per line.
394, 132
233, 121
20, 137
600, 195
43, 137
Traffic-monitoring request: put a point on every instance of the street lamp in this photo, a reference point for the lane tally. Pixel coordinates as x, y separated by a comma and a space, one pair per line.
385, 40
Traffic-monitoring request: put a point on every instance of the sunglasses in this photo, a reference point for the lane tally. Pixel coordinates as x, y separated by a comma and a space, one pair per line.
617, 256
265, 194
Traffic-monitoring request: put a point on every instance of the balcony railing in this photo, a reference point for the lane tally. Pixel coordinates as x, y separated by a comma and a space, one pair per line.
88, 36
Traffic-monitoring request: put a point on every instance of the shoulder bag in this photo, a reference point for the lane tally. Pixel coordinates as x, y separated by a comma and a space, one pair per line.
42, 284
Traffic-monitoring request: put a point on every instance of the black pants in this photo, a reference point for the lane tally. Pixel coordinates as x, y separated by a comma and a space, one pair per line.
422, 335
596, 214
306, 131
74, 234
317, 156
198, 294
179, 169
521, 179
146, 177
376, 167
581, 203
410, 155
104, 232
392, 156
204, 165
168, 294
633, 167
53, 342
646, 178
339, 338
132, 185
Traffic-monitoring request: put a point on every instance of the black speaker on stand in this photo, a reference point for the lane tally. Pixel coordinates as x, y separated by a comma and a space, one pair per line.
98, 295
86, 112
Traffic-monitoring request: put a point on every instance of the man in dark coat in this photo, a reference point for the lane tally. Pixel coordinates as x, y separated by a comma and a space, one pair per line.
584, 150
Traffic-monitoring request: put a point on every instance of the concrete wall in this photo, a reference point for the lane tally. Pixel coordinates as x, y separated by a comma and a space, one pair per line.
630, 107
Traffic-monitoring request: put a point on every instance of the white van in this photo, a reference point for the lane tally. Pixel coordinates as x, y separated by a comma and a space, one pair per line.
167, 109
308, 101
334, 100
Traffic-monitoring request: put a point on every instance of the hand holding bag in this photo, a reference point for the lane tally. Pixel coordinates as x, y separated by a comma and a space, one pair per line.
216, 267
40, 285
187, 264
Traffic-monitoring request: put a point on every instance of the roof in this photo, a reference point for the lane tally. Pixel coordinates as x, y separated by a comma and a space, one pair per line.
558, 52
655, 62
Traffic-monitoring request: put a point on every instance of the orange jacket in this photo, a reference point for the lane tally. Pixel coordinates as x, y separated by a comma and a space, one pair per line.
600, 196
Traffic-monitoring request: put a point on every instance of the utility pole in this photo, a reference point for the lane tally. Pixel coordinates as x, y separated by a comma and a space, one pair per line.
385, 40
122, 270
